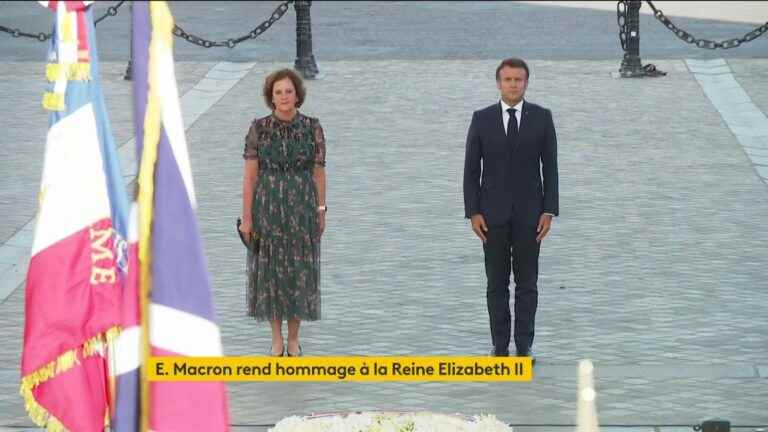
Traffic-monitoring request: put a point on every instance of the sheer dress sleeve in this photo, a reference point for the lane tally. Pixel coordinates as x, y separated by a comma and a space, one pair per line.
319, 144
251, 143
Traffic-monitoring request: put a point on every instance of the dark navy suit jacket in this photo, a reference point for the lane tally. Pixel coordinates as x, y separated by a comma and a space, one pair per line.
508, 179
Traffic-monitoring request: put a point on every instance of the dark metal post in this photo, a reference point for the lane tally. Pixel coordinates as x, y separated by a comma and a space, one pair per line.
128, 71
631, 65
716, 425
305, 60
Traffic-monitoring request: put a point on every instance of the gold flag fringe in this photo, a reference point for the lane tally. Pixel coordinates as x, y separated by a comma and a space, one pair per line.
80, 71
39, 415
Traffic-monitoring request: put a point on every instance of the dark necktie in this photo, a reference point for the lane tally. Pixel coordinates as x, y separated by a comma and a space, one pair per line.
512, 124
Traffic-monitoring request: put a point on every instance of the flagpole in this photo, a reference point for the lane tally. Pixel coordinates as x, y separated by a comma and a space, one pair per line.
145, 203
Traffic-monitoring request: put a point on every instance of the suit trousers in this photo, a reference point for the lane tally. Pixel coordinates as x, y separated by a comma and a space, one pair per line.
512, 246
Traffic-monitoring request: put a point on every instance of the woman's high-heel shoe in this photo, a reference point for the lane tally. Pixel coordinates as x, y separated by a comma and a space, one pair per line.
298, 354
282, 353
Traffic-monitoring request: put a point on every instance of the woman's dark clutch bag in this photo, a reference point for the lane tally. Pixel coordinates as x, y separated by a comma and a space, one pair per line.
251, 244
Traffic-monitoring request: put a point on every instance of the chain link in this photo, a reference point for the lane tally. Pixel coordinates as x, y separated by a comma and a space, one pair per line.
621, 17
706, 43
42, 37
111, 11
232, 42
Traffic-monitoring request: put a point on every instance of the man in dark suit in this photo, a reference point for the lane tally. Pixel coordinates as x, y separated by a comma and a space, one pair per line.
510, 145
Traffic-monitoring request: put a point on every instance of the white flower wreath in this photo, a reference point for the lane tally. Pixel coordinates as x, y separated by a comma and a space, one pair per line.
390, 422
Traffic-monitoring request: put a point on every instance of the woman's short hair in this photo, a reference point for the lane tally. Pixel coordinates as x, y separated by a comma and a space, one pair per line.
298, 84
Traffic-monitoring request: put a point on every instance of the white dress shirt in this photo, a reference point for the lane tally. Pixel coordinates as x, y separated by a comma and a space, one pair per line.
505, 114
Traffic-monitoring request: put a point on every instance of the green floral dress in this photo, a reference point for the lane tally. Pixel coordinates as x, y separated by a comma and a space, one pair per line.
284, 273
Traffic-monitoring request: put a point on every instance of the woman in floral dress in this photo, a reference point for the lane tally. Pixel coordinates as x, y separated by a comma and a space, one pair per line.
284, 211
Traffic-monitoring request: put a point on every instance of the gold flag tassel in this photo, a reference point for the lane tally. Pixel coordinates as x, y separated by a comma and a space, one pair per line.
53, 101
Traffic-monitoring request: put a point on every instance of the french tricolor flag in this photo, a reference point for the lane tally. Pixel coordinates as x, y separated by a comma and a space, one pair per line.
174, 307
79, 260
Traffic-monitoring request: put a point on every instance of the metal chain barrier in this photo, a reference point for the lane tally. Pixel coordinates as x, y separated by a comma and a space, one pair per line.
111, 11
231, 43
706, 43
42, 37
177, 30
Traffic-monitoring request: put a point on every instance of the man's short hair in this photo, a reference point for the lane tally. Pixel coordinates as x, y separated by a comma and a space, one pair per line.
513, 62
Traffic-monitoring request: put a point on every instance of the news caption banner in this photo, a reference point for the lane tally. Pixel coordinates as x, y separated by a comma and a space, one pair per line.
446, 368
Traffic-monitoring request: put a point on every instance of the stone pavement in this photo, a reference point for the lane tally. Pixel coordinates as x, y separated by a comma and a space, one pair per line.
656, 268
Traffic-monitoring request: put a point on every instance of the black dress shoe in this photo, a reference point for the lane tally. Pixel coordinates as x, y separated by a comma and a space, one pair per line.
527, 353
499, 353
